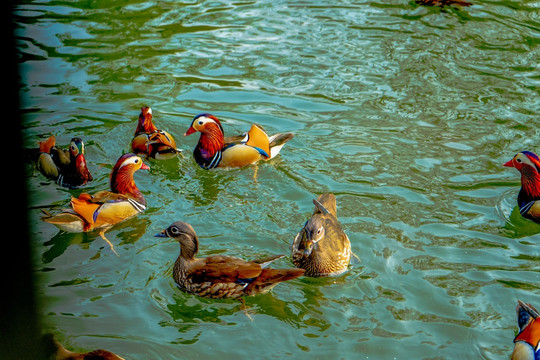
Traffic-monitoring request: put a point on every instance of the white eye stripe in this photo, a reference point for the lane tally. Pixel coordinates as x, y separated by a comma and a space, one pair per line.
129, 161
203, 120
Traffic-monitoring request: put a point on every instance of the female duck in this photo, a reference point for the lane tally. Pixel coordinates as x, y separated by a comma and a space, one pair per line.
322, 248
527, 341
105, 208
149, 141
67, 167
219, 276
55, 351
214, 150
528, 164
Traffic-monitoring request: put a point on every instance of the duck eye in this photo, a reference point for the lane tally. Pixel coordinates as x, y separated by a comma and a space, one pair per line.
136, 161
200, 122
319, 231
518, 160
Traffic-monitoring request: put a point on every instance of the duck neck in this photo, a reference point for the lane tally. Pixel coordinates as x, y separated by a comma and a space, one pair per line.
210, 142
189, 248
530, 184
123, 183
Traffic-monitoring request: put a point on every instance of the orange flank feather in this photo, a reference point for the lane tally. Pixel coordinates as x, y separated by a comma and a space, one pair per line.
151, 142
105, 208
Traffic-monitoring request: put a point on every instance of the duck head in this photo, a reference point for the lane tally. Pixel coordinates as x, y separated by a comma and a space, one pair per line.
76, 153
528, 164
121, 179
145, 124
185, 235
312, 233
205, 124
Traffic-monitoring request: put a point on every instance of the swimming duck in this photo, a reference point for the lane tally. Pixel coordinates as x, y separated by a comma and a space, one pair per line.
215, 150
149, 141
220, 276
105, 208
322, 248
443, 3
528, 164
526, 343
67, 167
55, 351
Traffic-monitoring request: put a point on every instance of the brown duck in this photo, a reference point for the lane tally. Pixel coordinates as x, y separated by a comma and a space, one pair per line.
55, 351
322, 248
220, 276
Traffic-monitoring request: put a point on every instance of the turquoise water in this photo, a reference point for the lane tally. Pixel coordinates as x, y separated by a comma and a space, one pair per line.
405, 112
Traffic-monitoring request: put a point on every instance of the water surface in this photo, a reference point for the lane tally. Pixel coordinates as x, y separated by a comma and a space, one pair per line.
405, 112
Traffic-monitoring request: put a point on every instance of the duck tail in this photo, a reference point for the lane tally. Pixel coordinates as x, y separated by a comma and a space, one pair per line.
270, 278
277, 141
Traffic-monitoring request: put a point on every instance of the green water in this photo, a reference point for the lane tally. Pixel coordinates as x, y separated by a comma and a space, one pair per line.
405, 112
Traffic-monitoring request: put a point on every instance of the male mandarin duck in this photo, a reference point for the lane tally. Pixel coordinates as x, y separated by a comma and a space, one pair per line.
527, 341
215, 150
67, 167
151, 142
220, 276
322, 248
105, 208
528, 199
55, 351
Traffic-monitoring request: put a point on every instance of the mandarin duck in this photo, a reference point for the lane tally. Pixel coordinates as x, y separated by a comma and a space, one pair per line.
55, 351
220, 276
322, 248
528, 164
443, 3
104, 209
526, 343
215, 150
149, 141
67, 167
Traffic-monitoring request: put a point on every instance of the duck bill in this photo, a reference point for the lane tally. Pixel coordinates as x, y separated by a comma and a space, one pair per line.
145, 167
509, 163
162, 234
308, 249
190, 131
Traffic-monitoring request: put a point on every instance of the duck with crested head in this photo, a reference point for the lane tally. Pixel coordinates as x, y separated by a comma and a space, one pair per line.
322, 248
528, 164
215, 150
105, 208
66, 166
56, 351
220, 276
527, 341
151, 142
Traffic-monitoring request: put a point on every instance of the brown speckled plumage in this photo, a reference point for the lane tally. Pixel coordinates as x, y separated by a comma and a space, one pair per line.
322, 248
220, 276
